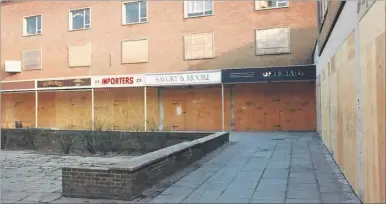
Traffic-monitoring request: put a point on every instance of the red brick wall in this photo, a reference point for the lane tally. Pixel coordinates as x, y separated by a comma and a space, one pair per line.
233, 24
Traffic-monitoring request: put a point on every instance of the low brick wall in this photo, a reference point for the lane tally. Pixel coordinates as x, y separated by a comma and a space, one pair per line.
83, 142
127, 181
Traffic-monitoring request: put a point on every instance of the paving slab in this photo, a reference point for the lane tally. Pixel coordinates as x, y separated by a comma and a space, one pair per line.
274, 167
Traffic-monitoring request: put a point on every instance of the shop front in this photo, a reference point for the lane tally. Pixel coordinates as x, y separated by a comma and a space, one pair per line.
272, 99
191, 101
17, 102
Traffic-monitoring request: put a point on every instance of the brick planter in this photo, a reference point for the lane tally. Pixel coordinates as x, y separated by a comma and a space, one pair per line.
78, 142
127, 181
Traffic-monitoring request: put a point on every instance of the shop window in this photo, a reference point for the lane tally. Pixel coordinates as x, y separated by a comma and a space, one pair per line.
196, 8
135, 51
79, 55
273, 41
199, 46
32, 59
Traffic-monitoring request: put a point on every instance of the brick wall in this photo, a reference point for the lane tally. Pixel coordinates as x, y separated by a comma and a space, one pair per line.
128, 182
51, 141
233, 24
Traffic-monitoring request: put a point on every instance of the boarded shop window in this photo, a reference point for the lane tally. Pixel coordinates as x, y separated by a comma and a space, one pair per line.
199, 46
134, 12
79, 19
195, 8
79, 55
269, 4
32, 59
135, 51
273, 41
32, 25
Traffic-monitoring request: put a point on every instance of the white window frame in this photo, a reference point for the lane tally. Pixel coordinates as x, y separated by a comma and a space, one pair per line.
41, 59
70, 26
276, 7
203, 15
25, 25
139, 13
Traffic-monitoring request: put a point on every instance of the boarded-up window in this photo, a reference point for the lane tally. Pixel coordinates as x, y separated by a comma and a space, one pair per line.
32, 59
199, 46
135, 51
79, 55
273, 41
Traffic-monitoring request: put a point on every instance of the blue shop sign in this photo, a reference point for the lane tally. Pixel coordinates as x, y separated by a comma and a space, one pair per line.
269, 74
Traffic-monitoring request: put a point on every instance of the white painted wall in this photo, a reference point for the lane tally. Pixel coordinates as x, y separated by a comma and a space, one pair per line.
343, 27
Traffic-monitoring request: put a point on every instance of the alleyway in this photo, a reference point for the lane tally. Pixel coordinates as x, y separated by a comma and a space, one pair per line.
254, 168
265, 168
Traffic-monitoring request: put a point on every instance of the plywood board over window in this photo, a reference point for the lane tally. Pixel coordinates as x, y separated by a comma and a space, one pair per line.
79, 55
199, 46
273, 41
135, 51
32, 59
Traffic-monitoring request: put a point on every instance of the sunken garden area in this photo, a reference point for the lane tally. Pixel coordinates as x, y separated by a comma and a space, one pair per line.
127, 163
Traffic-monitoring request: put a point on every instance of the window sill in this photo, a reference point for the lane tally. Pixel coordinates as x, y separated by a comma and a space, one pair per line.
272, 8
139, 62
278, 53
74, 67
26, 70
206, 58
187, 17
126, 24
80, 29
30, 35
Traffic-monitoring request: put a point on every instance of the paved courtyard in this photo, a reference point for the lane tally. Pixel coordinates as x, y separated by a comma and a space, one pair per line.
255, 168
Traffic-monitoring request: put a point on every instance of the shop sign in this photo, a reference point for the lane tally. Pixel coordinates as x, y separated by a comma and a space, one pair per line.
290, 73
17, 85
117, 81
73, 83
188, 78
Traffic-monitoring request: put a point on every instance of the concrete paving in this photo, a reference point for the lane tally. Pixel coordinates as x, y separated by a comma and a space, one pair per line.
256, 168
265, 168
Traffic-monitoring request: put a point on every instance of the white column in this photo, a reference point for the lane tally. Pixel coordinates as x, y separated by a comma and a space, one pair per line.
36, 109
145, 106
92, 110
222, 107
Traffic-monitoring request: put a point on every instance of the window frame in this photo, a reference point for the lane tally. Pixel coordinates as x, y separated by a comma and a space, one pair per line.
41, 59
25, 34
269, 8
186, 14
70, 25
139, 13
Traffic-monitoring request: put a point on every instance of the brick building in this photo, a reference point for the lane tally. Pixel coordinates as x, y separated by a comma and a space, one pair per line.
194, 65
350, 88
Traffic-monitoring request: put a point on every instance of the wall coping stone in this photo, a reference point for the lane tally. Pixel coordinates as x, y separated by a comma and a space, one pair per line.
139, 162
